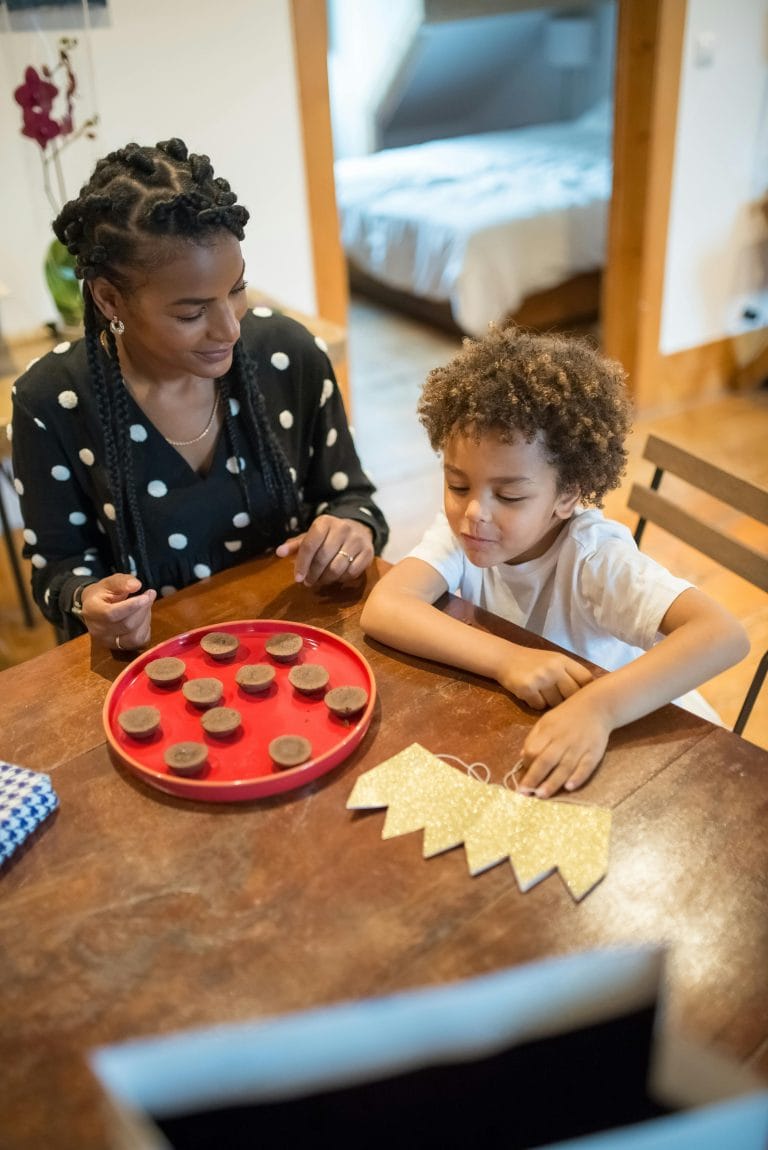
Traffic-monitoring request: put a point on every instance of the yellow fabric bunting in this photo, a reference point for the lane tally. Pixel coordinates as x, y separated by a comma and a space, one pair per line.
538, 836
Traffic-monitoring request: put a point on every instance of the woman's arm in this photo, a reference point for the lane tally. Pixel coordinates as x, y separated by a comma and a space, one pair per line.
400, 612
61, 539
566, 745
344, 526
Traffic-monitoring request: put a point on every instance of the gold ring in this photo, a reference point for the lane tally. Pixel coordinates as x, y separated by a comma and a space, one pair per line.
118, 645
349, 558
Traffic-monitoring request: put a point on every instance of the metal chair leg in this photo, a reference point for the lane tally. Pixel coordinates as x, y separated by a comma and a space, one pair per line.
751, 695
13, 559
654, 487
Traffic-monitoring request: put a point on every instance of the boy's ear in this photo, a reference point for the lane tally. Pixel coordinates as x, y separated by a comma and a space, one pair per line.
565, 503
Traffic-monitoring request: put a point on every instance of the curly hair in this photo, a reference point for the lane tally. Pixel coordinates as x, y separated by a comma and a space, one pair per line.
137, 198
520, 383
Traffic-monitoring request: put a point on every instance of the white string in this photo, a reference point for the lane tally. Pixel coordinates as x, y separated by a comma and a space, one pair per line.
512, 774
470, 768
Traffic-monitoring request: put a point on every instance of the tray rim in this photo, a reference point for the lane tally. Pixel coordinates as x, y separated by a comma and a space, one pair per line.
260, 786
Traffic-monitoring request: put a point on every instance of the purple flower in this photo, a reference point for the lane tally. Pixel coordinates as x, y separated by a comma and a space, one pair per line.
36, 96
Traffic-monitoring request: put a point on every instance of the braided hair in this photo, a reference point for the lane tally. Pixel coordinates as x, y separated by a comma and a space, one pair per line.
135, 196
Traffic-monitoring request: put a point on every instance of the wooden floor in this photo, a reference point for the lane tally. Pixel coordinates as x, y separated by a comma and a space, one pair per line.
389, 357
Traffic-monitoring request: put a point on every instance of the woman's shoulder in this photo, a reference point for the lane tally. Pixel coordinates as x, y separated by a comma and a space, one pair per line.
60, 370
266, 332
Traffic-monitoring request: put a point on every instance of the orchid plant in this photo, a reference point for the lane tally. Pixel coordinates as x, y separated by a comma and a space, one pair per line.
47, 99
53, 129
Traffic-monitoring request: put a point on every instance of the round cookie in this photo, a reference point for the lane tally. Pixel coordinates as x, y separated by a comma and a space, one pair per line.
290, 750
284, 646
139, 722
255, 678
221, 722
220, 645
346, 701
166, 672
203, 692
186, 758
309, 678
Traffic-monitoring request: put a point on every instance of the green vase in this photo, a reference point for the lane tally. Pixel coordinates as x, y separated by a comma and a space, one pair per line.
64, 285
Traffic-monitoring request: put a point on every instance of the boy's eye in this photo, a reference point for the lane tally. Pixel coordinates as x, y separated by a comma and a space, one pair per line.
510, 498
189, 318
240, 288
455, 487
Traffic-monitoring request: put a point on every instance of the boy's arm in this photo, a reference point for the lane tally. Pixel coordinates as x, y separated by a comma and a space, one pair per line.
400, 612
566, 745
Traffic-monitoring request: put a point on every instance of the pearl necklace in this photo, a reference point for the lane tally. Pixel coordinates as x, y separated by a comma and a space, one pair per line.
203, 433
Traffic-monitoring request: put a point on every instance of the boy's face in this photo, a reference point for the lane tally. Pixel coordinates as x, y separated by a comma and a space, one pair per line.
502, 499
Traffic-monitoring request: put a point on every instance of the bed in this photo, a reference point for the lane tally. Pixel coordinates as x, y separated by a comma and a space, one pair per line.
479, 227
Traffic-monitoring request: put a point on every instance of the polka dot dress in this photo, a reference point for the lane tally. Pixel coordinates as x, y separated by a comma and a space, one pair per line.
195, 524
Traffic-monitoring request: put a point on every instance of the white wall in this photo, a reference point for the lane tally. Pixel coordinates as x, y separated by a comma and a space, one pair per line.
717, 254
221, 76
366, 41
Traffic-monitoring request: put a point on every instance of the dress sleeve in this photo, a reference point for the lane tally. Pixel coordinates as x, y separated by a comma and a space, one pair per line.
61, 537
302, 399
336, 482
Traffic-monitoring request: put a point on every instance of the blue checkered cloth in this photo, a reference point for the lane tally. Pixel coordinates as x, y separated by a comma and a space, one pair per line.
26, 798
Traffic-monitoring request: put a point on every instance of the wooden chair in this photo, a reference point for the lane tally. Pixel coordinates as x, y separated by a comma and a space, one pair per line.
740, 494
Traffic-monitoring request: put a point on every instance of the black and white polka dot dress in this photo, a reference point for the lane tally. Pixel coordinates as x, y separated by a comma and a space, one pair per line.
195, 525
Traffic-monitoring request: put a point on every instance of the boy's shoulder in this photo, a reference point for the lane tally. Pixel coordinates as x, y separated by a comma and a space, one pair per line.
589, 528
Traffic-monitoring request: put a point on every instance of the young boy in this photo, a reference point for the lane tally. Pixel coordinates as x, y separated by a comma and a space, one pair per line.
531, 429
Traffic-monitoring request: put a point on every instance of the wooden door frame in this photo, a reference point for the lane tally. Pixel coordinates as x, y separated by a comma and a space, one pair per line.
310, 42
649, 59
649, 49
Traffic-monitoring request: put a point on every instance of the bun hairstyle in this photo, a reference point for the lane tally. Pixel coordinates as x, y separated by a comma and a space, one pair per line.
135, 197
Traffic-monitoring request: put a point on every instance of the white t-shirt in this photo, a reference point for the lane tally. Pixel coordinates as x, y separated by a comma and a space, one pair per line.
593, 592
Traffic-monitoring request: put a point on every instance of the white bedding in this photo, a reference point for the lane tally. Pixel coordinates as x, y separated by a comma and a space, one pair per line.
481, 221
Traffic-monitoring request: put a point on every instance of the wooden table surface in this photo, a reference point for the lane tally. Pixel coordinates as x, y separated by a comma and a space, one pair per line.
133, 913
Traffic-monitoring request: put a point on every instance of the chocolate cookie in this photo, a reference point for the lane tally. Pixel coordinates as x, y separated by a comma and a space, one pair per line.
186, 758
139, 722
345, 701
290, 750
203, 692
167, 672
255, 678
220, 645
308, 678
221, 721
284, 646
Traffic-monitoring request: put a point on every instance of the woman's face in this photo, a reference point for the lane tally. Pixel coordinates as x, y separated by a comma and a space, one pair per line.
184, 319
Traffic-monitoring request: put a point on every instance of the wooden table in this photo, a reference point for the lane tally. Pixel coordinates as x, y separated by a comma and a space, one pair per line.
133, 913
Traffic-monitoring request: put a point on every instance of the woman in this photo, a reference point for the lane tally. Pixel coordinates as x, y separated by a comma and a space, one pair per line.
184, 434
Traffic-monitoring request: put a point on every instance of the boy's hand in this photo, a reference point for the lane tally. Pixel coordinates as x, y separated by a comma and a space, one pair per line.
565, 747
542, 678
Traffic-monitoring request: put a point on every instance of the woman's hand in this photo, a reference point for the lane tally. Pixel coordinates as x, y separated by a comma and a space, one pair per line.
115, 614
332, 551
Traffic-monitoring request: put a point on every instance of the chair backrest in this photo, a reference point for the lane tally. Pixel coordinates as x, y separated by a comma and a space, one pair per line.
740, 494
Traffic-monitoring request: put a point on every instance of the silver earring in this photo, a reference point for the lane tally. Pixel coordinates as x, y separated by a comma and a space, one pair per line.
116, 326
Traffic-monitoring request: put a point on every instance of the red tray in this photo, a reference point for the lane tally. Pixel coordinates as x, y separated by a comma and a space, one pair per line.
240, 768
